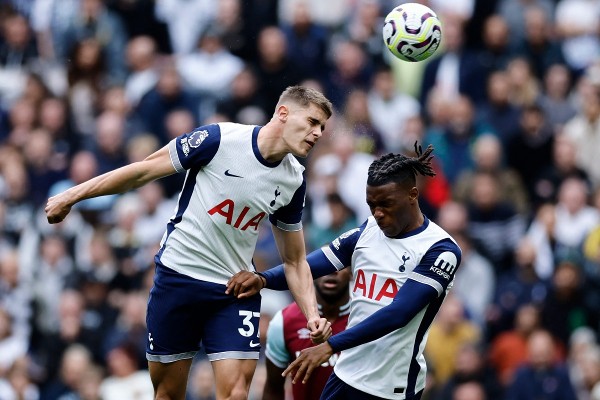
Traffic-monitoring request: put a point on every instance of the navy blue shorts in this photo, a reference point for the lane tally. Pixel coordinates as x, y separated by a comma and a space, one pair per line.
337, 389
184, 312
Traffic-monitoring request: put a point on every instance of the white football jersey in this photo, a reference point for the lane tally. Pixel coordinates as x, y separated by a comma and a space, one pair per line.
392, 366
229, 189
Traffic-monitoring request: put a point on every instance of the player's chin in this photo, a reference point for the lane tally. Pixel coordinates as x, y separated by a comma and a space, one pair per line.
302, 152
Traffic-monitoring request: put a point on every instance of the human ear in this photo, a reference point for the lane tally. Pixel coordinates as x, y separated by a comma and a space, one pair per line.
413, 195
282, 113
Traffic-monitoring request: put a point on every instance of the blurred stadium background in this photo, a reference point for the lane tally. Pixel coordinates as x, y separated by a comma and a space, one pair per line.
511, 103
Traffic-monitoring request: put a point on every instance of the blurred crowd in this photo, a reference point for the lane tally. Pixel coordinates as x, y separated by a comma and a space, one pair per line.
511, 102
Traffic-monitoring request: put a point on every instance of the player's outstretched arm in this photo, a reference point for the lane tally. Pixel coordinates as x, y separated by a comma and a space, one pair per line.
300, 281
156, 165
246, 284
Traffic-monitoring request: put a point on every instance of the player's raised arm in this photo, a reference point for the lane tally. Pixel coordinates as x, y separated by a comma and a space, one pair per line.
300, 281
156, 165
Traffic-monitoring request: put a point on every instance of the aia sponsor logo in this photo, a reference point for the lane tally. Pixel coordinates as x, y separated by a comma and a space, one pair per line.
241, 220
373, 286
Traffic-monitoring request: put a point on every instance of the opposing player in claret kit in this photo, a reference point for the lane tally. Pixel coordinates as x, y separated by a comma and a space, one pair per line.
287, 336
236, 176
402, 266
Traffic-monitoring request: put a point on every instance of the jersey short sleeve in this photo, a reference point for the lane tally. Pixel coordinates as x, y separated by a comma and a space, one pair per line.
276, 350
339, 252
438, 266
196, 148
289, 217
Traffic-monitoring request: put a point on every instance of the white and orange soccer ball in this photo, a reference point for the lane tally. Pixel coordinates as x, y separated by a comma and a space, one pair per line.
412, 32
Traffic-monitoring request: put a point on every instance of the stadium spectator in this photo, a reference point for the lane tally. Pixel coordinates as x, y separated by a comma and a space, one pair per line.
450, 331
508, 350
210, 68
529, 151
351, 69
488, 158
563, 167
514, 12
86, 77
307, 43
538, 46
495, 226
471, 368
168, 95
142, 61
390, 110
273, 65
554, 100
245, 95
475, 281
497, 111
74, 363
524, 88
125, 379
94, 21
529, 380
363, 27
584, 130
515, 288
496, 49
185, 20
456, 71
565, 306
357, 117
577, 25
455, 139
575, 218
342, 220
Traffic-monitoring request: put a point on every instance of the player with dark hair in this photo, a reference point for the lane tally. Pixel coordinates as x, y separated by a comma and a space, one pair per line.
402, 268
236, 175
287, 336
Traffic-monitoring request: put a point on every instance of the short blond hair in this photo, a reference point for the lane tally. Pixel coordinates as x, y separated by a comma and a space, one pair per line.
305, 96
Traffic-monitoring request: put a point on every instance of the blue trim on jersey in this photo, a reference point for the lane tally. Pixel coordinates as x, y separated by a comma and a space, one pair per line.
343, 246
414, 231
291, 214
411, 298
415, 368
184, 202
198, 148
319, 266
256, 151
435, 264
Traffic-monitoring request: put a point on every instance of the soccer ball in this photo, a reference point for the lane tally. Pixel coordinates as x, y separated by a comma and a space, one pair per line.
412, 32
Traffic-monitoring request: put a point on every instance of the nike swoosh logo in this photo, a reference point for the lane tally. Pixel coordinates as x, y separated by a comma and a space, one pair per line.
252, 344
227, 173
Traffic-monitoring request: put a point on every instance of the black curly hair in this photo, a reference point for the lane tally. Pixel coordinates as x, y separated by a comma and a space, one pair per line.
399, 168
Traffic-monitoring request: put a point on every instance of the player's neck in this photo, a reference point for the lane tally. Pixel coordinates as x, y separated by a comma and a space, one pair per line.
270, 145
